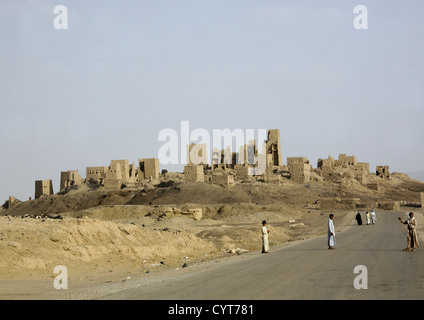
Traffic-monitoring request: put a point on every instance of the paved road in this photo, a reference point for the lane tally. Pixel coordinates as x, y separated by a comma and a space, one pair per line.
308, 270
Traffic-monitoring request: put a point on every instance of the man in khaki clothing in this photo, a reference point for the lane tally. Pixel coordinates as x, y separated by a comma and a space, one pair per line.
412, 237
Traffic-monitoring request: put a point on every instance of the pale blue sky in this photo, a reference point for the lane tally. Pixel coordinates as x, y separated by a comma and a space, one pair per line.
125, 70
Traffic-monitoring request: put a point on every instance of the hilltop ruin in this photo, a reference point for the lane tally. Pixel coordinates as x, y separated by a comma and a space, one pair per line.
226, 168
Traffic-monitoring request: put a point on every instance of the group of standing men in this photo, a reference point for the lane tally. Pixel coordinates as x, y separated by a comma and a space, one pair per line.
412, 238
371, 218
411, 235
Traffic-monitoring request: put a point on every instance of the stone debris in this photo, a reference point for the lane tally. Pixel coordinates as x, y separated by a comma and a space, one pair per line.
42, 216
236, 251
297, 225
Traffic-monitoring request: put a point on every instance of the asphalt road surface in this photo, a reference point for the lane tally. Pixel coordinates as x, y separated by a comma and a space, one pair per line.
308, 270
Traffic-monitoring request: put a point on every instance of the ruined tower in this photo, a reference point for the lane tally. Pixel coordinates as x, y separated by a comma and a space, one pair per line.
299, 168
383, 172
273, 148
43, 188
69, 178
148, 169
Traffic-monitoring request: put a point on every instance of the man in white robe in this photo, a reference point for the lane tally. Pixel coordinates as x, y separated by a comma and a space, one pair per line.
331, 233
265, 243
373, 217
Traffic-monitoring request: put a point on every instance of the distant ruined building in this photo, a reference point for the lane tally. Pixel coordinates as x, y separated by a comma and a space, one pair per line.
43, 188
223, 167
227, 166
299, 168
345, 166
273, 148
383, 172
69, 179
122, 174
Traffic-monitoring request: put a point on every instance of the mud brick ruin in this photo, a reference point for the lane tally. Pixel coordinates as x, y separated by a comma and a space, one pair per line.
300, 169
11, 202
383, 172
344, 166
194, 173
224, 167
273, 149
69, 178
43, 188
121, 173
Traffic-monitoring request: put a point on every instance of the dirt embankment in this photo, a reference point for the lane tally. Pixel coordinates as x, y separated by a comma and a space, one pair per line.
106, 233
95, 246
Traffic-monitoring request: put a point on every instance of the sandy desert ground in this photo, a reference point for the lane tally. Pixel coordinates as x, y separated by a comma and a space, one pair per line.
105, 237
